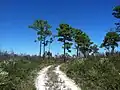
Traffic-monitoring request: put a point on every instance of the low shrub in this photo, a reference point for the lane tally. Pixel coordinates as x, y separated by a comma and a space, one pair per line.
94, 73
19, 74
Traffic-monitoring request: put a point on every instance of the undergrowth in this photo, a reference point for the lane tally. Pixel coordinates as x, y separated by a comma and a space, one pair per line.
19, 73
95, 73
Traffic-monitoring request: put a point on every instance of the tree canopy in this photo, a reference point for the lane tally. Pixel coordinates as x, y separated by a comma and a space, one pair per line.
65, 35
111, 41
82, 40
116, 12
43, 30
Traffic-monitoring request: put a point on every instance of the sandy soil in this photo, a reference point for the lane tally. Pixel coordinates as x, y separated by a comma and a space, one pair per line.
51, 78
68, 82
40, 80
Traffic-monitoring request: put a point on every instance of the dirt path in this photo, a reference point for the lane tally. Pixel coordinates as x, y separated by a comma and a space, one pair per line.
67, 81
40, 80
51, 78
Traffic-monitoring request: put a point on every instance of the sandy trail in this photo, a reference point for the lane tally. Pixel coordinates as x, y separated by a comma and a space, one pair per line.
67, 81
50, 78
41, 79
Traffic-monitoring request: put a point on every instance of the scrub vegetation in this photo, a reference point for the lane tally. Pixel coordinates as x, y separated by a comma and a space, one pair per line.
90, 69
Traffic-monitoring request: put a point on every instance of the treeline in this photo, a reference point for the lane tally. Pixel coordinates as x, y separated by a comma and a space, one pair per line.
69, 36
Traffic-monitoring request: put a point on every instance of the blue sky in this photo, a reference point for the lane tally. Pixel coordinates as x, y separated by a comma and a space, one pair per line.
92, 16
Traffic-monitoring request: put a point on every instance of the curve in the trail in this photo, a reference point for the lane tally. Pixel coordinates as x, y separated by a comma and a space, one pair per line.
68, 82
40, 80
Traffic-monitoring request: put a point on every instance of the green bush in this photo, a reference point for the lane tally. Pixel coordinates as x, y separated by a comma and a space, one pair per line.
19, 74
94, 73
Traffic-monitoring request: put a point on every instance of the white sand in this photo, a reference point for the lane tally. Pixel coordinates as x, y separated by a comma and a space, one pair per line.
68, 82
40, 80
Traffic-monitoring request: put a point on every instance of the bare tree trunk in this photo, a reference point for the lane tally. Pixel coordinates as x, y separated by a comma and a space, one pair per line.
64, 51
84, 55
49, 53
44, 49
112, 51
49, 46
40, 48
77, 51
